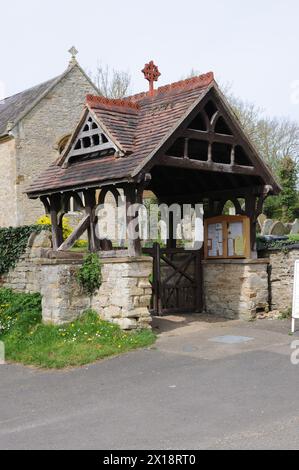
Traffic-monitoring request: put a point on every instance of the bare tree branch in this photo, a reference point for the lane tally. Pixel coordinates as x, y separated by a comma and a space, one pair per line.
111, 83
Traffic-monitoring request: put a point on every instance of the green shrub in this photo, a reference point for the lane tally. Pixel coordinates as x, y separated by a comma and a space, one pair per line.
89, 275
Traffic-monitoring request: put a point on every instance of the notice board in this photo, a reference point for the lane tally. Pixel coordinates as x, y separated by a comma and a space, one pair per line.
227, 236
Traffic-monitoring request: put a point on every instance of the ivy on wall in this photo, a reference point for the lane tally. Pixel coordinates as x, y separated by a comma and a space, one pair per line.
13, 242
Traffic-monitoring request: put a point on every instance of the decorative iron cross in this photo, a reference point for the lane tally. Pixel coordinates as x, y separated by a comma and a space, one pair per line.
151, 73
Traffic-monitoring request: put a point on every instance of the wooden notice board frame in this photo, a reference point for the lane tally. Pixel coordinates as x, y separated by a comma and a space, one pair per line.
225, 220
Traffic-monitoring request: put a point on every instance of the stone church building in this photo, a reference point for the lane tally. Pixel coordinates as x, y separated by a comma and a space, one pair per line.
34, 128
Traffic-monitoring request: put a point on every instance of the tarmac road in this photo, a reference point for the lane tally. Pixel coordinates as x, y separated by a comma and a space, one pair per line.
187, 392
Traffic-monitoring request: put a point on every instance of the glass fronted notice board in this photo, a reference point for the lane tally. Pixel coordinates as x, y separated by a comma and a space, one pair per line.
227, 236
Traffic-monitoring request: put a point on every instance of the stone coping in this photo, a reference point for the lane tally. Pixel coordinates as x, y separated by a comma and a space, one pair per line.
76, 261
236, 261
294, 246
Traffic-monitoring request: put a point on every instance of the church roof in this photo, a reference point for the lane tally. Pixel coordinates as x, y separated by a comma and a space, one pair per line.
12, 107
15, 107
139, 126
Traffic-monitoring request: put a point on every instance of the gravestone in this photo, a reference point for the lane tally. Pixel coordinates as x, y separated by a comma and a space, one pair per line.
261, 220
288, 228
278, 228
295, 227
266, 227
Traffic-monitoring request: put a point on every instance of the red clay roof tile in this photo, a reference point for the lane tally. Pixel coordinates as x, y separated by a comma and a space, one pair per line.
138, 123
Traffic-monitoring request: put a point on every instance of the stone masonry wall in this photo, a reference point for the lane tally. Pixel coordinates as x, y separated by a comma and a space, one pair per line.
123, 298
125, 293
235, 288
8, 207
36, 139
282, 277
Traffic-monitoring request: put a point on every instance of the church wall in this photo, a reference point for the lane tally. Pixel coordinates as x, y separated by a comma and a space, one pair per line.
39, 133
8, 210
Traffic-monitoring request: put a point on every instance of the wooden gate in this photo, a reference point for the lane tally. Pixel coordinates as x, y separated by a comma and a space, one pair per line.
176, 280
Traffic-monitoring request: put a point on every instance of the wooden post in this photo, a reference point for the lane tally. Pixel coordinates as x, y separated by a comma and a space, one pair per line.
198, 280
232, 155
134, 243
90, 206
186, 148
210, 156
56, 221
171, 241
250, 210
156, 278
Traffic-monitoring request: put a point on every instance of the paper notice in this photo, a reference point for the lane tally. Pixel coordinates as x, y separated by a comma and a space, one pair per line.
239, 246
220, 248
230, 247
212, 231
235, 229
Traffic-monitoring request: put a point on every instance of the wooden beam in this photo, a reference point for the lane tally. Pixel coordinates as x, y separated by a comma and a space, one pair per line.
191, 164
79, 230
209, 136
242, 139
218, 194
46, 204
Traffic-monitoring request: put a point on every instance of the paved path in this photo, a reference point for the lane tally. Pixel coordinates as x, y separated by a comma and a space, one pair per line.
188, 392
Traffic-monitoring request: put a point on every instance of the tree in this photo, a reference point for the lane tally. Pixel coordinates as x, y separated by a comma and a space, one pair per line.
274, 138
288, 197
111, 83
284, 207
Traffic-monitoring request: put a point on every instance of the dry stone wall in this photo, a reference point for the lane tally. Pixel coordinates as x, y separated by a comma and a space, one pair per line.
282, 264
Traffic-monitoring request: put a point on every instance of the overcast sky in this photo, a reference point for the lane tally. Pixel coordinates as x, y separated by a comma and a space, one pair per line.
253, 45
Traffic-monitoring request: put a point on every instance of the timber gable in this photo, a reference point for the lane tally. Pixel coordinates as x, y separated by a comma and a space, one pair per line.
187, 125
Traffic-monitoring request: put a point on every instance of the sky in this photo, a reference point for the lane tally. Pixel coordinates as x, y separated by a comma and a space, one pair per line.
253, 46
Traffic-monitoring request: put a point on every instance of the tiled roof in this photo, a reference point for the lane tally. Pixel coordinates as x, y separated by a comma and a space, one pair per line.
11, 108
139, 124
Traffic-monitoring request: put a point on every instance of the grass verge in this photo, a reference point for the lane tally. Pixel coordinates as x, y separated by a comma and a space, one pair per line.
83, 341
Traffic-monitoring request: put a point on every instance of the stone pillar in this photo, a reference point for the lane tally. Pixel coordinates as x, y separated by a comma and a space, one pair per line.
125, 294
236, 288
62, 298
